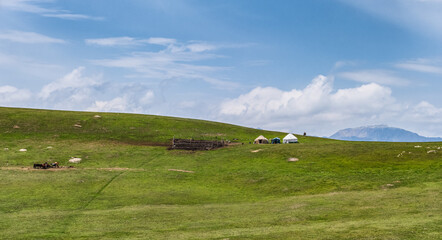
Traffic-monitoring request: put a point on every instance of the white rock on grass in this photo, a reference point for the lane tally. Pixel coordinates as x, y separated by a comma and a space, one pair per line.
400, 154
23, 150
74, 160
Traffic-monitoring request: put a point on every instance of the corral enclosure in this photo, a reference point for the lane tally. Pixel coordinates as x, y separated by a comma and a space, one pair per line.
191, 144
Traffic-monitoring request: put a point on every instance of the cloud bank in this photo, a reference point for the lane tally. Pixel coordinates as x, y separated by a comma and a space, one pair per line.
27, 37
78, 91
319, 109
12, 96
35, 6
422, 65
379, 76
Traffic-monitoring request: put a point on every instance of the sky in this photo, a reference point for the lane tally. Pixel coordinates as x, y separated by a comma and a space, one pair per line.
294, 66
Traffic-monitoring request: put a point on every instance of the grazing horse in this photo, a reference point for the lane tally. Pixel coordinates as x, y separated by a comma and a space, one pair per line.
46, 165
38, 165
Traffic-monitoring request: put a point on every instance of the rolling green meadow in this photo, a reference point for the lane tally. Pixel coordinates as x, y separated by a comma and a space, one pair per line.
130, 186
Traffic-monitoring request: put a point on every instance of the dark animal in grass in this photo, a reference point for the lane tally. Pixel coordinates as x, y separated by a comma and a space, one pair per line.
45, 165
38, 165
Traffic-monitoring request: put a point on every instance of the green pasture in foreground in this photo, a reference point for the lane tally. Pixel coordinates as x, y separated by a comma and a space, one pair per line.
125, 187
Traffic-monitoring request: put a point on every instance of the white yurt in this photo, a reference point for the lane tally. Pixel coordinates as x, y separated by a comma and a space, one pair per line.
290, 138
261, 140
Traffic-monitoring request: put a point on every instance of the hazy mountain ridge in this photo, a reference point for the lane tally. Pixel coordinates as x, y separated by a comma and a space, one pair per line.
381, 133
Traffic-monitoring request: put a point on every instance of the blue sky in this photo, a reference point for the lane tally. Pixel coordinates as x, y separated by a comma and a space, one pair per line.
314, 66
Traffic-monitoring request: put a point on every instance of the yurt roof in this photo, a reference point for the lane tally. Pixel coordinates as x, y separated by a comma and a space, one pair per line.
290, 136
261, 137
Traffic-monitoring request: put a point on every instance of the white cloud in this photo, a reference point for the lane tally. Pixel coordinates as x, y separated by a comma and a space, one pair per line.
117, 104
341, 64
422, 65
34, 6
201, 47
77, 91
73, 80
12, 96
375, 76
315, 107
161, 41
131, 99
71, 16
116, 41
176, 61
423, 118
321, 110
425, 112
24, 6
316, 98
147, 98
28, 37
422, 16
171, 44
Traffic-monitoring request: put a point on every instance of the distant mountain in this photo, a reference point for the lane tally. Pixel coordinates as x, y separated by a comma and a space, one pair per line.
381, 133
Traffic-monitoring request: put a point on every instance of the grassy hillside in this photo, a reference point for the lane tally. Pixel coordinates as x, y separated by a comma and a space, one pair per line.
130, 128
127, 188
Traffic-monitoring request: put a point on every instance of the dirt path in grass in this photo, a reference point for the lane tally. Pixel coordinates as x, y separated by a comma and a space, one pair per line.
69, 168
35, 169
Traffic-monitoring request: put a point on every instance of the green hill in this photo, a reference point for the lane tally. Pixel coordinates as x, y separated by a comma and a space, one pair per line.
129, 128
128, 185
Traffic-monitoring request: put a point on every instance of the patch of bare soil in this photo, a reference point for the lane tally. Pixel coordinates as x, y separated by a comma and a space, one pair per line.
214, 134
387, 186
64, 168
180, 170
36, 169
154, 144
118, 169
234, 143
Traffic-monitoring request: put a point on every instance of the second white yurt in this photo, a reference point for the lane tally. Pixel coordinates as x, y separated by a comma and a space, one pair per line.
290, 138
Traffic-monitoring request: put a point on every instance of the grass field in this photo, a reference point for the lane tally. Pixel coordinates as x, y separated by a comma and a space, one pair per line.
127, 186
